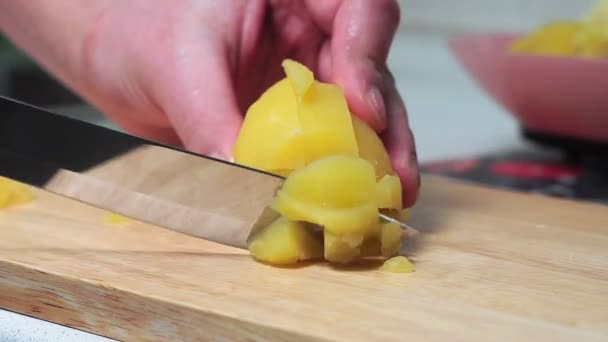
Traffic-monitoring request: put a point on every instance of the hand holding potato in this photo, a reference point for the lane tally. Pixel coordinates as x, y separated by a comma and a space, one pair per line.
185, 72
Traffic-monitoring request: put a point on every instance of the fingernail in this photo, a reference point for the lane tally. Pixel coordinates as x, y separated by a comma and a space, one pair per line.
376, 100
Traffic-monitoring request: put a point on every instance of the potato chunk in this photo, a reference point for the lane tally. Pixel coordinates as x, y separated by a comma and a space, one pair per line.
390, 239
556, 38
371, 148
338, 174
388, 193
299, 77
342, 249
338, 193
399, 264
13, 193
295, 122
285, 242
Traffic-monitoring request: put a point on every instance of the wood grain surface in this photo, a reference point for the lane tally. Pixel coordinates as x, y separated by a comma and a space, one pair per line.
490, 265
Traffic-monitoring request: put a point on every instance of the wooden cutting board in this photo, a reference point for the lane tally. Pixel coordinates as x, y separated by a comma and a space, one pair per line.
490, 265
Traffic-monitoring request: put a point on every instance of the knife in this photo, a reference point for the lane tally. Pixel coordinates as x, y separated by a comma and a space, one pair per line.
145, 180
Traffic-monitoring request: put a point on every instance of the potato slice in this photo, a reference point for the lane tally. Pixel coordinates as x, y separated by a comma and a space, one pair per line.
326, 123
338, 173
371, 148
295, 122
399, 264
388, 193
338, 193
300, 77
268, 137
342, 249
285, 242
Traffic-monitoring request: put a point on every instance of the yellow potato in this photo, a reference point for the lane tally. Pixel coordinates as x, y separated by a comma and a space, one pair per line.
338, 173
371, 148
399, 264
295, 122
390, 239
13, 193
338, 193
388, 193
556, 38
592, 41
268, 135
300, 77
326, 124
117, 219
285, 242
342, 249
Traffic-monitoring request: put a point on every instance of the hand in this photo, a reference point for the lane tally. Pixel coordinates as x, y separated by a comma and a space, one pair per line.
184, 72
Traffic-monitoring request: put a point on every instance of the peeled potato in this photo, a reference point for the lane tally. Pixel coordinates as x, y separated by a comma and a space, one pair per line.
556, 38
338, 173
268, 136
371, 148
388, 193
295, 122
285, 242
390, 239
337, 193
399, 264
299, 76
13, 193
342, 249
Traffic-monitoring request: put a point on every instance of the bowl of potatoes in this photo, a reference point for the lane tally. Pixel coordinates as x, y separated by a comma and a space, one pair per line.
553, 80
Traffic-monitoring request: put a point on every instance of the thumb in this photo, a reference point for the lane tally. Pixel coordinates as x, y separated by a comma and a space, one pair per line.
201, 105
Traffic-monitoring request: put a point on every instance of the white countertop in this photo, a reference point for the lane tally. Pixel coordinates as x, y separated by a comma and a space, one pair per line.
449, 115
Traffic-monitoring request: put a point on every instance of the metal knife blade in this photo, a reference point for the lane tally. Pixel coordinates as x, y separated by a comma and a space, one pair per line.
142, 179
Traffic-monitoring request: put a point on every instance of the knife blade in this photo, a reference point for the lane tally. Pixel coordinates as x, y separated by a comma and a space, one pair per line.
145, 180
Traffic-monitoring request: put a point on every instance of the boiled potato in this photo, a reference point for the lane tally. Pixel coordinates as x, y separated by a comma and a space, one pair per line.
342, 249
587, 37
285, 242
13, 193
388, 193
338, 193
371, 148
295, 122
390, 239
556, 38
399, 264
338, 174
300, 77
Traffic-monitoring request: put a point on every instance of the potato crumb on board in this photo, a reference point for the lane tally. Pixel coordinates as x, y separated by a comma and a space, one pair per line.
399, 264
117, 219
13, 193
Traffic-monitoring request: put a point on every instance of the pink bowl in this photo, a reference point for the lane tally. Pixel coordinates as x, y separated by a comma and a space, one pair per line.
560, 96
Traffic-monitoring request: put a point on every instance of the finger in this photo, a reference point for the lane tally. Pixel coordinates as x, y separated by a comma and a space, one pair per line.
201, 104
399, 141
162, 134
362, 33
